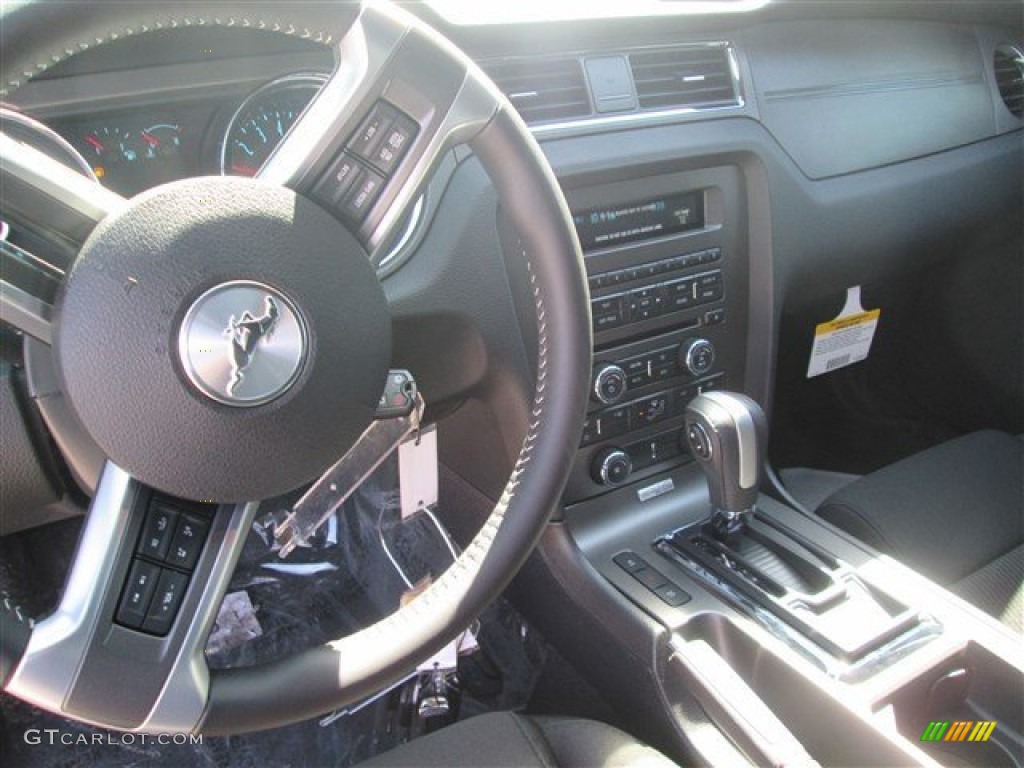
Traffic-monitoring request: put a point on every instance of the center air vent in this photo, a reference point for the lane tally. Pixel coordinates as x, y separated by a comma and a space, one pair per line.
1008, 62
542, 89
700, 77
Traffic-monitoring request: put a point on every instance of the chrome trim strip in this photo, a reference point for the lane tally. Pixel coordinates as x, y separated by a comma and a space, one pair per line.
28, 314
182, 701
49, 667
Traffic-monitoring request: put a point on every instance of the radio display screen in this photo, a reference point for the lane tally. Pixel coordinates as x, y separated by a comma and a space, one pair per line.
628, 222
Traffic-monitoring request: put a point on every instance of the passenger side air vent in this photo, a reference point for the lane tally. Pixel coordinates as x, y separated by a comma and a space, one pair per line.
542, 90
700, 77
1008, 63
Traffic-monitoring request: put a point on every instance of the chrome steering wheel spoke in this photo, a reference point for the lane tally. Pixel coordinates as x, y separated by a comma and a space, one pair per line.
63, 207
399, 98
71, 653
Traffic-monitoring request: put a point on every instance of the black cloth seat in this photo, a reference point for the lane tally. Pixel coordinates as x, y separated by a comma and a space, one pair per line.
954, 512
510, 740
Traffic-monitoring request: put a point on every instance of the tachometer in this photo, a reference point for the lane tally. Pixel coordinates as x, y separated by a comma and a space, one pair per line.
262, 120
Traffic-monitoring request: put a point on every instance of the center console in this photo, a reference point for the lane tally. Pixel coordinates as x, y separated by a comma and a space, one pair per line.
798, 644
725, 625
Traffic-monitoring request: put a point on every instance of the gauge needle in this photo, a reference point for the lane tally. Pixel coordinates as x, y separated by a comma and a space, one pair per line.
150, 139
95, 143
242, 168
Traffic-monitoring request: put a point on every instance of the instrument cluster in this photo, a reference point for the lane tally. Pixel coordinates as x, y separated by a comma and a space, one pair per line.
131, 151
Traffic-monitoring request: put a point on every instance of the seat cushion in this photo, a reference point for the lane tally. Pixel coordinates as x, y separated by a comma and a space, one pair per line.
509, 740
998, 588
947, 512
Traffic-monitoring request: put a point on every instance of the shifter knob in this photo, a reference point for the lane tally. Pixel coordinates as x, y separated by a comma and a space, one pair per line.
726, 433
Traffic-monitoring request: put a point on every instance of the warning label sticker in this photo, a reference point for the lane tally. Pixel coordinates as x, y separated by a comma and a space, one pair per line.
845, 340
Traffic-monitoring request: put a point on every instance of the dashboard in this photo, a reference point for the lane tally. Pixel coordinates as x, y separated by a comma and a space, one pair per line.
726, 175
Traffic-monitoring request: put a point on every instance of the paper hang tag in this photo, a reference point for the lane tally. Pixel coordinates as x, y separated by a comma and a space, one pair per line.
845, 340
417, 472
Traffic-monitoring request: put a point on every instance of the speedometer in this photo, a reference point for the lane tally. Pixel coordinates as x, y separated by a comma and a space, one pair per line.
262, 120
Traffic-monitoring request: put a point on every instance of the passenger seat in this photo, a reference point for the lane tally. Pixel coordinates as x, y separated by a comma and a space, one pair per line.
954, 512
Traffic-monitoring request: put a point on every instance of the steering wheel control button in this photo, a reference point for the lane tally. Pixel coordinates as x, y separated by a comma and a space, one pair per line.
362, 196
242, 343
612, 466
338, 180
138, 592
157, 531
697, 356
187, 542
700, 442
372, 132
170, 590
609, 384
396, 142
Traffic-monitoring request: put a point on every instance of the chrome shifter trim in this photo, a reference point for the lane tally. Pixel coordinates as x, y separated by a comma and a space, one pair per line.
746, 436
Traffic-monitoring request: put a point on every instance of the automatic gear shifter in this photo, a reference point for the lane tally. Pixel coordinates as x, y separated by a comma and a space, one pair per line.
726, 433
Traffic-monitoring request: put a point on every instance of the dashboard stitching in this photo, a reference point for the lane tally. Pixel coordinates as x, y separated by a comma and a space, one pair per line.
56, 57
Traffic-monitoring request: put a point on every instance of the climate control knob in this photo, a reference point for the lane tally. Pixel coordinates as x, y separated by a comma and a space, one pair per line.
609, 384
612, 466
697, 356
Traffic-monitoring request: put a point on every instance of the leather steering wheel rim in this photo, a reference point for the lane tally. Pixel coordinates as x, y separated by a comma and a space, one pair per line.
353, 667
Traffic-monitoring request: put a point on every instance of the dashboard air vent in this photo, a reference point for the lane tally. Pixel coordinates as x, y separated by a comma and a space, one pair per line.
1008, 62
700, 77
542, 90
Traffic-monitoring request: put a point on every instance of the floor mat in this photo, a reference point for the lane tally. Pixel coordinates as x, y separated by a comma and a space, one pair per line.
354, 572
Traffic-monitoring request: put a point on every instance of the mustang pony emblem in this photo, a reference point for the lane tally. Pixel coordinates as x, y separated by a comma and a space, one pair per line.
245, 334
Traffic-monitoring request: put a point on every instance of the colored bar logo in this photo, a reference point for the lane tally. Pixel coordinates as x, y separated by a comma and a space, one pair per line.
960, 730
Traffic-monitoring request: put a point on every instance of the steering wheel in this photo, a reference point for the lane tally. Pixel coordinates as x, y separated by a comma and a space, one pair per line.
287, 252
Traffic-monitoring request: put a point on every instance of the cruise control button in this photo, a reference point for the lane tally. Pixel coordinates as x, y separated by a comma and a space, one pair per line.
371, 133
396, 141
187, 542
138, 592
169, 592
157, 531
363, 195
